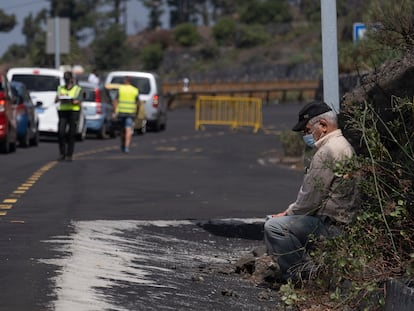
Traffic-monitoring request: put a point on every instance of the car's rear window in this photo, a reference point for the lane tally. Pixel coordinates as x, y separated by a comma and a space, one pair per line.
18, 89
88, 94
143, 84
38, 83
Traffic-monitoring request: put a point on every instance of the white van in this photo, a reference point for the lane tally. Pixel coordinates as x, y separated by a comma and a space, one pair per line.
150, 93
42, 84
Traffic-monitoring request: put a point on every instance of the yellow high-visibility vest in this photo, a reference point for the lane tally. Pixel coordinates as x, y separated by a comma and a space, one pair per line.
73, 92
127, 99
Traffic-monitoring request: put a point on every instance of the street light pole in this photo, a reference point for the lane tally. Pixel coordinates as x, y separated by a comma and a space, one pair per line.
57, 42
330, 54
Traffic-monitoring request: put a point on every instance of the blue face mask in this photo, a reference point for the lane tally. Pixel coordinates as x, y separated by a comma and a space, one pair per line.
309, 140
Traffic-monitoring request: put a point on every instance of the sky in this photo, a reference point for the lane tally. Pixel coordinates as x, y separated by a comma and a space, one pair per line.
136, 18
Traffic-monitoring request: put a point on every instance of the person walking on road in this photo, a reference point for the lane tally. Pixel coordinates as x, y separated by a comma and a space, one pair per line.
68, 96
126, 106
325, 201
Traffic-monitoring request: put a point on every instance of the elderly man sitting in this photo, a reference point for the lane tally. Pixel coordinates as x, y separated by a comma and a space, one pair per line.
324, 199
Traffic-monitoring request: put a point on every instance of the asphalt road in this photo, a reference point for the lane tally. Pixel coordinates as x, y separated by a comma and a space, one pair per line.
114, 231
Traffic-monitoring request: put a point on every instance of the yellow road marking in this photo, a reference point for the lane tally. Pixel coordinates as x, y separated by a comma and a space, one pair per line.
166, 148
10, 201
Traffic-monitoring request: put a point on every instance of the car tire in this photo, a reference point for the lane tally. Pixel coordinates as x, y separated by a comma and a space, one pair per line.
5, 144
24, 141
34, 141
81, 136
163, 126
13, 146
155, 125
102, 131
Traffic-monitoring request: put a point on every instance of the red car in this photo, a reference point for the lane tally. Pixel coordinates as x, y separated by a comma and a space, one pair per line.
8, 120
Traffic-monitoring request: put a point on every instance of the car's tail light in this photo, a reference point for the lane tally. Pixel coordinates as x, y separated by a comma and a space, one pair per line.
155, 101
97, 95
98, 101
98, 108
2, 102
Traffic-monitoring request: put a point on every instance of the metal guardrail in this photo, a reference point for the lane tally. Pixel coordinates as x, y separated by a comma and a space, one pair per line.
231, 111
270, 91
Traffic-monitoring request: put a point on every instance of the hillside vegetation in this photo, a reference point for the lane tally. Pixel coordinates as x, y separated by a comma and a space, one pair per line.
204, 37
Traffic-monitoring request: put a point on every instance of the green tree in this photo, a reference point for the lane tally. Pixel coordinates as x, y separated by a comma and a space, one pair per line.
265, 12
180, 12
155, 12
82, 14
250, 36
117, 11
32, 52
151, 56
109, 48
311, 10
221, 8
35, 34
224, 31
7, 22
392, 24
186, 35
33, 26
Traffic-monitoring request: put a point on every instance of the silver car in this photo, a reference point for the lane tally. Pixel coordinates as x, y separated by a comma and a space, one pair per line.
150, 93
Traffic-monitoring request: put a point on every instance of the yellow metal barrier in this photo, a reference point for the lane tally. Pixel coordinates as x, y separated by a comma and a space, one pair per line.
231, 111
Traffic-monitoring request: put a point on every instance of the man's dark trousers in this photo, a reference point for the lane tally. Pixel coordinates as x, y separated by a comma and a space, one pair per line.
67, 137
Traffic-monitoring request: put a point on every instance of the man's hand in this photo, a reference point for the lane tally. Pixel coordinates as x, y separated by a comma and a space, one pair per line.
281, 214
284, 213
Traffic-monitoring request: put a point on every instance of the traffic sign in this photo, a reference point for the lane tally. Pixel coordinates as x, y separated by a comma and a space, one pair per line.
359, 31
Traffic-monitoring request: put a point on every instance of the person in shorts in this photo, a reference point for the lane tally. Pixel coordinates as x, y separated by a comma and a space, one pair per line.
126, 106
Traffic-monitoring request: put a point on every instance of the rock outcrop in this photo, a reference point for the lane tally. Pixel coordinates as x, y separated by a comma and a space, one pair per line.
394, 79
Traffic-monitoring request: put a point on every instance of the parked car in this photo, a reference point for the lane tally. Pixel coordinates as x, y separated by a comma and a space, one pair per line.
42, 84
8, 120
27, 118
150, 93
140, 123
98, 108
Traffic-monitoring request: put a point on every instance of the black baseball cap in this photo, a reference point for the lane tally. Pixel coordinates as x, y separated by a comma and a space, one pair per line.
309, 111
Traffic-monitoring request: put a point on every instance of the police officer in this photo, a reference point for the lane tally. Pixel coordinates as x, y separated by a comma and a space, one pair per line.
69, 109
127, 107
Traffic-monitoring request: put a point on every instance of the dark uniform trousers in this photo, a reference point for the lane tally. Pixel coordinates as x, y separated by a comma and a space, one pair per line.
68, 123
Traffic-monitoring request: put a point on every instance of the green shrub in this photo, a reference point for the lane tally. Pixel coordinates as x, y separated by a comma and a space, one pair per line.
265, 12
186, 34
151, 56
209, 51
250, 36
292, 143
224, 31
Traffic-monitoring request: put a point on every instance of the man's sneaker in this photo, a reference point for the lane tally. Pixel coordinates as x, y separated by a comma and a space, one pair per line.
61, 157
69, 158
126, 149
